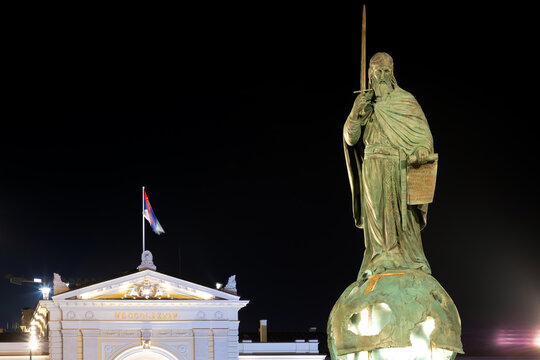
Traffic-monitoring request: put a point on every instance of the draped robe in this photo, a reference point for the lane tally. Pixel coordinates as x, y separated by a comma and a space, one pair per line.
392, 129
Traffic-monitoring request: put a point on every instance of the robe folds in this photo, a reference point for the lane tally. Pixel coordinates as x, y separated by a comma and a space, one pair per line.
390, 131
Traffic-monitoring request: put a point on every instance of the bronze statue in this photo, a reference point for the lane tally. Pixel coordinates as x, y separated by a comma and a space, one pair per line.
394, 129
395, 309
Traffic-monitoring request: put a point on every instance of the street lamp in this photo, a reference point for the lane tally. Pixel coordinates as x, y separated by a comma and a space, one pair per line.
33, 342
45, 291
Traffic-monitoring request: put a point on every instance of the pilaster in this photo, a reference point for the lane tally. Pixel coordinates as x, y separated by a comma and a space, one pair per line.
55, 334
89, 346
220, 344
69, 344
55, 344
232, 341
201, 348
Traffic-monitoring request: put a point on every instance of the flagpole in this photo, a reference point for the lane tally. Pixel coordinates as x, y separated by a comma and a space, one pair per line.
143, 247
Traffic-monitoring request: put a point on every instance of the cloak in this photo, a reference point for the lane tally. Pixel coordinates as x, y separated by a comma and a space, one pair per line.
404, 124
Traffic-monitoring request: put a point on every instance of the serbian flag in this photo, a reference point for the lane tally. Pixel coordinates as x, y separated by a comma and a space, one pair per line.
150, 216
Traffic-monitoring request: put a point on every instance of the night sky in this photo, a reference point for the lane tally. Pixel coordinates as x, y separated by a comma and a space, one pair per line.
232, 117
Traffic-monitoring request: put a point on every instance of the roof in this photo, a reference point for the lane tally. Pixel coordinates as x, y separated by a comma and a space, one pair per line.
289, 337
119, 287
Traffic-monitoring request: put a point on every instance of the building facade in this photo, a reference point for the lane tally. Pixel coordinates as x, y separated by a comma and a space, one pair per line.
147, 315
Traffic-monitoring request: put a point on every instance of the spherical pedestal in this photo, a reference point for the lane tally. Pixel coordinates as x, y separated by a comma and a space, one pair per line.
400, 314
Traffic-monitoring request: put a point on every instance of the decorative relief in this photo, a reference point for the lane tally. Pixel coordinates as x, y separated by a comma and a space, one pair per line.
70, 315
183, 349
146, 290
182, 333
111, 349
130, 333
110, 333
201, 315
218, 315
89, 315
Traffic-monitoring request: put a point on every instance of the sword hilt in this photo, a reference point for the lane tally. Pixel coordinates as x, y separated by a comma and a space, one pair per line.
363, 111
361, 91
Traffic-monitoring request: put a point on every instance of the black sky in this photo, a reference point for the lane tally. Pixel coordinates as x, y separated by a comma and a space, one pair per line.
231, 116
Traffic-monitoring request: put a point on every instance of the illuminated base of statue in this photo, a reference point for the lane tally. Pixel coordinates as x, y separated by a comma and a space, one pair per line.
401, 314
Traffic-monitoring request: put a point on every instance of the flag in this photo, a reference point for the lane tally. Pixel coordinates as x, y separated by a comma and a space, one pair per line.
151, 217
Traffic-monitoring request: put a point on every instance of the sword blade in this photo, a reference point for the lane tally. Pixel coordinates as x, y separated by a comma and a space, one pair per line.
363, 51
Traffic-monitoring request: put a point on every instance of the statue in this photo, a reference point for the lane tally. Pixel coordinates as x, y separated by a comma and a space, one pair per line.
394, 129
231, 285
395, 309
58, 285
147, 261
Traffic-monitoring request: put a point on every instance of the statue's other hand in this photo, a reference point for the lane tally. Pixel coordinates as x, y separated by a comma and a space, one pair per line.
422, 155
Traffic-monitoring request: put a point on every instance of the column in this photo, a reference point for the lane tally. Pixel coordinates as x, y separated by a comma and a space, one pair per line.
69, 344
90, 345
201, 343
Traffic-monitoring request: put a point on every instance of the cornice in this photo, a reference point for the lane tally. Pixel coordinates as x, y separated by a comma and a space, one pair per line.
152, 303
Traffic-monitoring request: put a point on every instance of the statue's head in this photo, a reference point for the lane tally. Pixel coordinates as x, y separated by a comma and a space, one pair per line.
381, 74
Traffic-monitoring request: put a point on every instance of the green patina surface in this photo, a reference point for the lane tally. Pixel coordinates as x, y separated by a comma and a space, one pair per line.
412, 298
385, 131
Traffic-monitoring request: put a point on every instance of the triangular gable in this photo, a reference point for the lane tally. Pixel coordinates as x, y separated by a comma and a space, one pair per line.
147, 284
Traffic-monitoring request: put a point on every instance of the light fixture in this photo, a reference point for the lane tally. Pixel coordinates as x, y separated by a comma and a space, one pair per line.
45, 291
33, 342
219, 285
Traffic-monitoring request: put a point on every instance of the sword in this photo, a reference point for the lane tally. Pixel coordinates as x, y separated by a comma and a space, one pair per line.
363, 55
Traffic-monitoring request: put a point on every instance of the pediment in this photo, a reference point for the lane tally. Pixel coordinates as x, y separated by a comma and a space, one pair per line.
146, 285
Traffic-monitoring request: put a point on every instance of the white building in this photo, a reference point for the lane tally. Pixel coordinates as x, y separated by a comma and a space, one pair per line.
147, 315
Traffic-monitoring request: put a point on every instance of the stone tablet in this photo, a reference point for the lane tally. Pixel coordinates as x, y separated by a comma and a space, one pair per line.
421, 183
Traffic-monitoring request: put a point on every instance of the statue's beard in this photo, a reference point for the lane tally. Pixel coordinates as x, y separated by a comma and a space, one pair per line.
382, 89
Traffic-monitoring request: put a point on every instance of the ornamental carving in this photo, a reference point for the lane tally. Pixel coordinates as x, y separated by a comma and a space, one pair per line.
146, 290
70, 315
